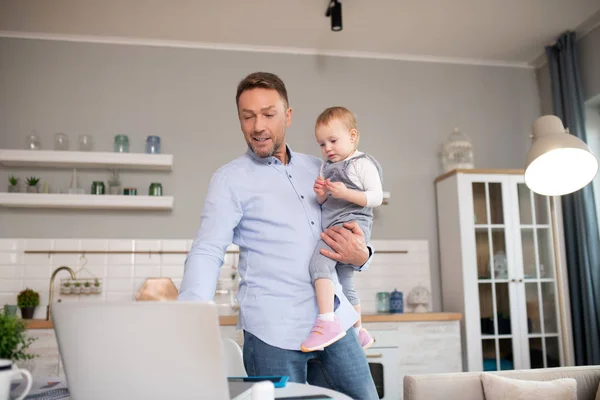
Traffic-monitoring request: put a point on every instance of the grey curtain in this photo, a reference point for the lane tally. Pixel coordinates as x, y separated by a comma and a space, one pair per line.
580, 219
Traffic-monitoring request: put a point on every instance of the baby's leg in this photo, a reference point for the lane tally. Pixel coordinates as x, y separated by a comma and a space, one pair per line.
327, 328
321, 269
346, 278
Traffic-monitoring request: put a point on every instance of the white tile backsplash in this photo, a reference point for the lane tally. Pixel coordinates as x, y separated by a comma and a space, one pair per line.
11, 244
175, 245
11, 271
119, 271
123, 274
11, 286
36, 271
147, 271
9, 258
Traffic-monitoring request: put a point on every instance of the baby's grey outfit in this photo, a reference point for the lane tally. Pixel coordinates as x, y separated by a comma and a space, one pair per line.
336, 212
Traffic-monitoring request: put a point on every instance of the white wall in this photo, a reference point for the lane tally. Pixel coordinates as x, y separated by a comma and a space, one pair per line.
187, 96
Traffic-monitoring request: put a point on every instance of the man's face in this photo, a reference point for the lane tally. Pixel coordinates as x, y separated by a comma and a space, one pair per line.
264, 119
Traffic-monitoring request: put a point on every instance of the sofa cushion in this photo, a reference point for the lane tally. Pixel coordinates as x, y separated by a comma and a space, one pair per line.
499, 388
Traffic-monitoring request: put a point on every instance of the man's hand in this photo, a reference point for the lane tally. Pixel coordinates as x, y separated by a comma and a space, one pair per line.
348, 244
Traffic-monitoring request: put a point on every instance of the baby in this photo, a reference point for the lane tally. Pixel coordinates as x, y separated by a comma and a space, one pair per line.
348, 187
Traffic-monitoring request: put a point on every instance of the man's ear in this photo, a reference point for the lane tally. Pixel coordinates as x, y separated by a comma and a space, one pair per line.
288, 117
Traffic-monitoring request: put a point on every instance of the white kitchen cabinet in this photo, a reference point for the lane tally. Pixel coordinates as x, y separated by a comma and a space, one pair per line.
500, 266
410, 348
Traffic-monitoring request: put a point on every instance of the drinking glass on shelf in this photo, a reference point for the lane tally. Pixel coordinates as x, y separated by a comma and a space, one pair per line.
121, 144
85, 143
61, 141
33, 141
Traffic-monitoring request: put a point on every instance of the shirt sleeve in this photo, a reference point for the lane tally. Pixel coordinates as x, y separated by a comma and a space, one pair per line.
363, 173
221, 214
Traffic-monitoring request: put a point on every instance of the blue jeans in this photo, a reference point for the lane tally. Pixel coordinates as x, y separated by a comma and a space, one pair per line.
342, 366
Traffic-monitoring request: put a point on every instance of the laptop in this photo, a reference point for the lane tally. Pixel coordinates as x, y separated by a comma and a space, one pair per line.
143, 350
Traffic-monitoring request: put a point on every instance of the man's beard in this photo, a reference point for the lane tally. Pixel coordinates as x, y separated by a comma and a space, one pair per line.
276, 147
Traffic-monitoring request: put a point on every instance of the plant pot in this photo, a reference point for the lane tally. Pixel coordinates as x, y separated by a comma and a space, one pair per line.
27, 312
76, 290
96, 290
10, 309
13, 189
65, 290
32, 189
86, 290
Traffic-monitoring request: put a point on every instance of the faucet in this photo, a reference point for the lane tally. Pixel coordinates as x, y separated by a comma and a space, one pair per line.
52, 287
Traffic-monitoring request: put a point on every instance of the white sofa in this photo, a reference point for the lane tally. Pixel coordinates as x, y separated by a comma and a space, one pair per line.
467, 385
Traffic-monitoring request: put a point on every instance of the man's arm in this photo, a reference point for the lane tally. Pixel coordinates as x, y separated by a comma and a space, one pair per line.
348, 245
221, 214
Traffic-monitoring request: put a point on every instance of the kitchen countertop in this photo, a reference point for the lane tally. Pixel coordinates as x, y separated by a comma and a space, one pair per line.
231, 320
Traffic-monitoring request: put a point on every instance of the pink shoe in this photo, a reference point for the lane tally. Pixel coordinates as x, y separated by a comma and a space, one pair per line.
365, 339
323, 334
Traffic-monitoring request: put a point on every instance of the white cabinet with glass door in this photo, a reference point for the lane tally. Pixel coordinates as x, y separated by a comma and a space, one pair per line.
499, 268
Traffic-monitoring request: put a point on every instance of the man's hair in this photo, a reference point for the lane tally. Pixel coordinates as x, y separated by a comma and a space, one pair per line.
341, 114
263, 80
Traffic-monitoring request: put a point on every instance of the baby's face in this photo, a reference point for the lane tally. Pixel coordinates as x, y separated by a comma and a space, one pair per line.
337, 142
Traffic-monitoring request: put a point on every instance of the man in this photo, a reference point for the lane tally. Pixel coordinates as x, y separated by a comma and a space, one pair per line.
264, 202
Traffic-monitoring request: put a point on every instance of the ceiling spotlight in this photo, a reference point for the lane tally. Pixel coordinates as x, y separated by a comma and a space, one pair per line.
334, 10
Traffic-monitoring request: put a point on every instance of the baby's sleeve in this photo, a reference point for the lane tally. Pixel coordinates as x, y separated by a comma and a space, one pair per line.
368, 176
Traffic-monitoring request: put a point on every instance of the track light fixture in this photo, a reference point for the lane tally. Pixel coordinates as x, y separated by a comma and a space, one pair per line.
334, 10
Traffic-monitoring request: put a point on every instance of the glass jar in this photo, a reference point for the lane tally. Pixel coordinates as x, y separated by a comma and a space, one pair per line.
33, 141
121, 144
97, 187
114, 183
153, 145
61, 141
85, 143
155, 189
383, 302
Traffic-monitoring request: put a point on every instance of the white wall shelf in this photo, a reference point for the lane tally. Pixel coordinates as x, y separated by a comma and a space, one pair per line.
84, 159
85, 201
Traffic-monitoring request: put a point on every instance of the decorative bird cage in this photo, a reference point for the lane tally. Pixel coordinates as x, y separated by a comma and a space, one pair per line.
419, 298
457, 152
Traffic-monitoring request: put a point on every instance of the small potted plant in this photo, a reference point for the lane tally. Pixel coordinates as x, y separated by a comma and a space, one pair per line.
76, 288
87, 288
32, 183
66, 287
28, 300
13, 186
15, 341
96, 288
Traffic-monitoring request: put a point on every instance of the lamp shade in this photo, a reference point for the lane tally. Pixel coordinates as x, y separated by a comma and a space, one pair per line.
558, 162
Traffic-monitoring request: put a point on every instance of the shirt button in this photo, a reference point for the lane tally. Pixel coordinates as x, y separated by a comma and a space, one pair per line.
301, 197
269, 162
312, 222
290, 176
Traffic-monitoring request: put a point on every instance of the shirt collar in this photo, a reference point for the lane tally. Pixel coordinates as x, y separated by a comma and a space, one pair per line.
270, 160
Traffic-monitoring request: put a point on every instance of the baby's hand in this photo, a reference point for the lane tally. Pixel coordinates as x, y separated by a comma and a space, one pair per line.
319, 188
337, 189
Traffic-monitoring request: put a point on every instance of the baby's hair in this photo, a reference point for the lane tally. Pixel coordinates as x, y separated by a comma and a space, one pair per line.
341, 114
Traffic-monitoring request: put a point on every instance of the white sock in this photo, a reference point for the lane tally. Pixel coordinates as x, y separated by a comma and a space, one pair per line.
357, 329
328, 316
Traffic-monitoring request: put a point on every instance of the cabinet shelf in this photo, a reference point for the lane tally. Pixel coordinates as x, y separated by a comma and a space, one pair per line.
85, 201
85, 160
